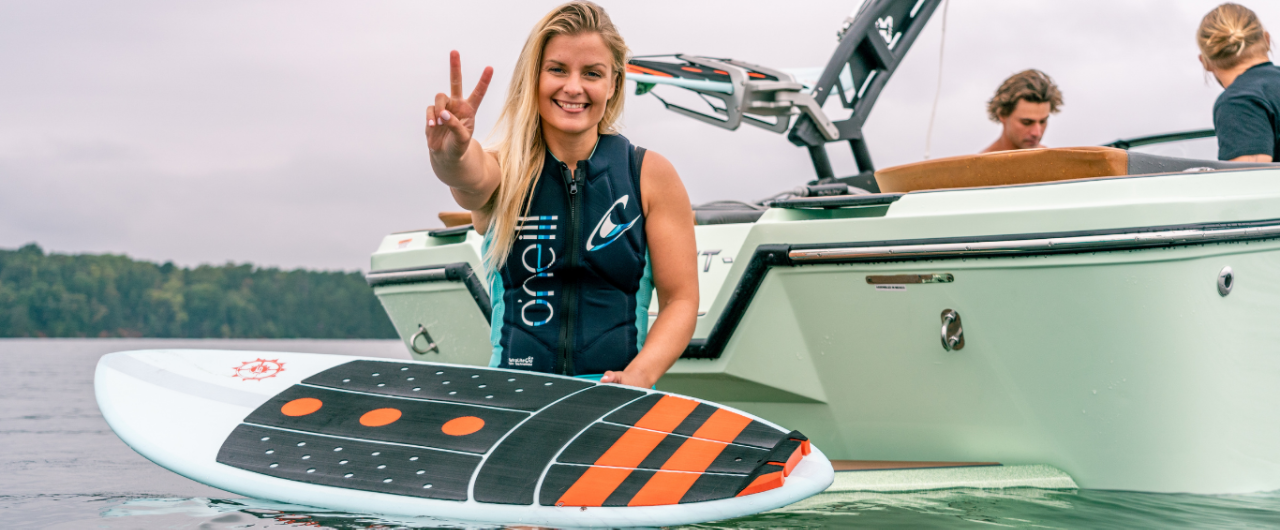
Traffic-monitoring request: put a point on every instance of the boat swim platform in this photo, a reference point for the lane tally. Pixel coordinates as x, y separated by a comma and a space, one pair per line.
880, 476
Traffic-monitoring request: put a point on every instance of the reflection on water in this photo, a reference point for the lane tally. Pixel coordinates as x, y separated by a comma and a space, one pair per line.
62, 468
1016, 508
250, 513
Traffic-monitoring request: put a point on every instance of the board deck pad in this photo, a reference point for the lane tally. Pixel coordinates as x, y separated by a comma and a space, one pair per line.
350, 463
420, 422
656, 450
686, 417
510, 475
519, 391
425, 430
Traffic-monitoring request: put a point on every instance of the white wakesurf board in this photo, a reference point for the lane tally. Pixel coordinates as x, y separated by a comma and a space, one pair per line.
457, 442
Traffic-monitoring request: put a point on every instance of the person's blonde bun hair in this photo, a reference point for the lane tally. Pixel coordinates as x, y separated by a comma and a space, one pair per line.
1230, 34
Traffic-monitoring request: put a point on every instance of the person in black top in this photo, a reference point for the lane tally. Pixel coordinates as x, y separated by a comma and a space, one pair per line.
1234, 48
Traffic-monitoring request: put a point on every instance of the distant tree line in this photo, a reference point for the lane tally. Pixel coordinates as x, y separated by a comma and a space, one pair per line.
85, 295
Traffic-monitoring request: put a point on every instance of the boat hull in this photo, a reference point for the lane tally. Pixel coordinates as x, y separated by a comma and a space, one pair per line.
1122, 365
1127, 370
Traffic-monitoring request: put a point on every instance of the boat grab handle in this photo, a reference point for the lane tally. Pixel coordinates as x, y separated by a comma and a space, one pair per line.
431, 344
952, 333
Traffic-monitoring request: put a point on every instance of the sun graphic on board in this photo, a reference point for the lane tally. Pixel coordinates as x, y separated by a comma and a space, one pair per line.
258, 369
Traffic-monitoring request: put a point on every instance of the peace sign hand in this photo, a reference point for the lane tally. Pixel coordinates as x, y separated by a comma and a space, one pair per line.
451, 121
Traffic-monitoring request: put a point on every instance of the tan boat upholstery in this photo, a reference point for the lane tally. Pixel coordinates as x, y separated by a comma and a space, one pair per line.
452, 219
1004, 168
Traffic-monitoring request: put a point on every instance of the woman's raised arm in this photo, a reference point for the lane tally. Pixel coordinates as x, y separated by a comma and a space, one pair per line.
457, 159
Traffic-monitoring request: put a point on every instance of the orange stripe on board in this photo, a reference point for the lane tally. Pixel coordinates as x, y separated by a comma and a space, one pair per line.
764, 483
667, 414
593, 487
694, 455
722, 426
663, 488
631, 448
642, 70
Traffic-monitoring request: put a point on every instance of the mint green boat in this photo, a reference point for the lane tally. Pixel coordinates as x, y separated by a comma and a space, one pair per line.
1111, 313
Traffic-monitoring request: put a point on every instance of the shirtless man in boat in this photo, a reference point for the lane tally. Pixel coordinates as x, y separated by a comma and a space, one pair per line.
1022, 107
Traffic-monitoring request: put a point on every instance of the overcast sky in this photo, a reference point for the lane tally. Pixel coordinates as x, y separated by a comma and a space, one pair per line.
289, 133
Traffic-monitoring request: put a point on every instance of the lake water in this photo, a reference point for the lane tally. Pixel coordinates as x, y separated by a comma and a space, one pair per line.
61, 467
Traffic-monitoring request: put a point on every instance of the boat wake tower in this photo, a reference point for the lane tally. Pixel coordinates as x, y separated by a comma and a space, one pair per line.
872, 43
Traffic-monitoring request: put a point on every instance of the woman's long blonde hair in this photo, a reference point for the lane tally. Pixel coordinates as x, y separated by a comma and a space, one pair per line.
1230, 34
521, 148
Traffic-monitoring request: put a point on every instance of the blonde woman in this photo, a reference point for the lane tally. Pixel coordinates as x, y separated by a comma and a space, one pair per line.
579, 225
1234, 48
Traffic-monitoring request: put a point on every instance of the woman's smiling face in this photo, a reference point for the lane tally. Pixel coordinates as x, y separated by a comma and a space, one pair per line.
575, 82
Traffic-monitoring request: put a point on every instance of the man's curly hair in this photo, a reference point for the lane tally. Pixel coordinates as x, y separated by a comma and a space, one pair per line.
1032, 85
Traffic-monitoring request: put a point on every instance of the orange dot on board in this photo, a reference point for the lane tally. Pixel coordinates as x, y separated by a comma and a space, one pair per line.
379, 417
462, 426
301, 407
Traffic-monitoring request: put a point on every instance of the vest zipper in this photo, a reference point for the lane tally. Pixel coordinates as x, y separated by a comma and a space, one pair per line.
570, 308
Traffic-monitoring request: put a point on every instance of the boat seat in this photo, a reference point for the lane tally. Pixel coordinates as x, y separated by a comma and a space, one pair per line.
726, 212
1037, 165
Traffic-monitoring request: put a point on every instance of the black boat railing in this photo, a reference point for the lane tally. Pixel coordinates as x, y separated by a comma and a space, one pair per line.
1129, 143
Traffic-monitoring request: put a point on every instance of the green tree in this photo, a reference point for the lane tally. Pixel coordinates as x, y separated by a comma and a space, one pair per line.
87, 295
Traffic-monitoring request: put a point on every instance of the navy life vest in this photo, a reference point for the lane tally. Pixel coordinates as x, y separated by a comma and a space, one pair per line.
573, 296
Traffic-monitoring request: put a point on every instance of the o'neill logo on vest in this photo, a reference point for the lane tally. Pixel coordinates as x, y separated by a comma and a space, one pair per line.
537, 258
606, 230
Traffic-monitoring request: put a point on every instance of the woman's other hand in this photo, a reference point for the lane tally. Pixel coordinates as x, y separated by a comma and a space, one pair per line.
630, 376
452, 119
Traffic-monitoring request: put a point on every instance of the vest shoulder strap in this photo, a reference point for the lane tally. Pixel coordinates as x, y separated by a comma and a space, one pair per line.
637, 162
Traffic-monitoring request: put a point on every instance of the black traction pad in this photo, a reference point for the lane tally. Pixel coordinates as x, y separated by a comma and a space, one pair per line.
708, 486
764, 469
510, 474
420, 423
314, 432
456, 384
350, 464
597, 439
711, 487
756, 434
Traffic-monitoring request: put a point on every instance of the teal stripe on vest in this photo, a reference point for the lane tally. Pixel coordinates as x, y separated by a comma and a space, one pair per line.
496, 290
643, 297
